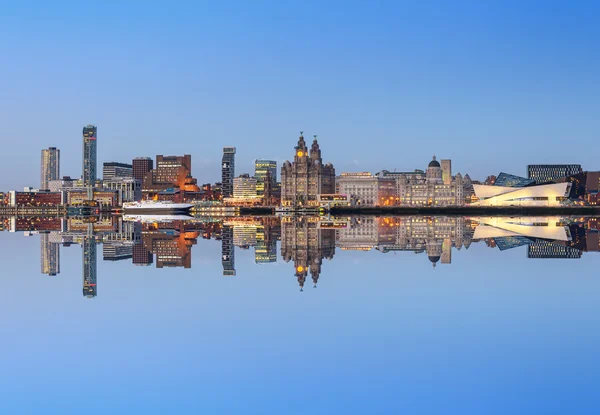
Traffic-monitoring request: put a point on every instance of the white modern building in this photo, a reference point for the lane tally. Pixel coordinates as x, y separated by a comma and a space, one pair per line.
543, 195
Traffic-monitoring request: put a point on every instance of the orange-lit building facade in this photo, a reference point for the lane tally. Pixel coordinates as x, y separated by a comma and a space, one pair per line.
170, 180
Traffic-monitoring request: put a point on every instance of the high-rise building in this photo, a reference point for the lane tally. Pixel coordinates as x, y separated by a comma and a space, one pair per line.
50, 255
113, 170
548, 250
542, 173
50, 167
227, 171
306, 177
244, 186
263, 170
141, 167
171, 178
227, 251
446, 171
89, 155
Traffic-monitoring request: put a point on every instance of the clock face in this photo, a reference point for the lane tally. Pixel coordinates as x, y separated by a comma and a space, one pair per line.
300, 154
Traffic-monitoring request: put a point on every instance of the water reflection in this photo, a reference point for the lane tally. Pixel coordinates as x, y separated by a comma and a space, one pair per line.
305, 241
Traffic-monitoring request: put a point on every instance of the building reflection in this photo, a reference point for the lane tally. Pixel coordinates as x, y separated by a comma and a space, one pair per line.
305, 241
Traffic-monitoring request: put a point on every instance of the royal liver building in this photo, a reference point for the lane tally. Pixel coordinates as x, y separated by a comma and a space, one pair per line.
306, 177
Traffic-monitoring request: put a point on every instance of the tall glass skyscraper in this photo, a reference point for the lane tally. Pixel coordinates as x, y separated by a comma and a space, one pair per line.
50, 167
227, 171
89, 155
262, 168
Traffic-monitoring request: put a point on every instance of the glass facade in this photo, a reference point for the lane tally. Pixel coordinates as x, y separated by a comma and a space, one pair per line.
50, 167
542, 173
510, 180
262, 169
89, 155
227, 171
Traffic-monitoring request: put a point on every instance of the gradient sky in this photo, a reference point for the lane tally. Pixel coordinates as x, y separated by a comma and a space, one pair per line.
383, 84
491, 333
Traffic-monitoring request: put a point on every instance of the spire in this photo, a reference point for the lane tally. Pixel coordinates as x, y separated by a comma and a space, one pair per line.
315, 138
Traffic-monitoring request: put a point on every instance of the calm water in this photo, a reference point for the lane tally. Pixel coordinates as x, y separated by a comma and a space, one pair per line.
300, 316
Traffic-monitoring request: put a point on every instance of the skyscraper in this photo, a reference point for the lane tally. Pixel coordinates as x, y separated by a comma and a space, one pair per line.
50, 255
262, 170
141, 167
227, 171
89, 155
50, 167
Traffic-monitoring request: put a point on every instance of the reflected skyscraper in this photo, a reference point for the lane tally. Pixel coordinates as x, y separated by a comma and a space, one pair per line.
50, 255
90, 266
227, 250
89, 155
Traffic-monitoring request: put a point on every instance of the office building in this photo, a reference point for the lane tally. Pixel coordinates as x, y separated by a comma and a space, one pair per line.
306, 177
227, 171
114, 170
89, 155
543, 173
366, 189
128, 189
170, 179
265, 170
116, 251
141, 255
50, 167
446, 171
427, 188
227, 251
50, 255
141, 167
551, 250
34, 199
244, 186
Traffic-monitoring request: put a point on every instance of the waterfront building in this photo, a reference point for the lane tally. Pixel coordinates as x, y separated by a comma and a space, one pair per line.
141, 166
541, 195
34, 198
543, 173
510, 180
141, 255
550, 250
50, 167
109, 198
50, 255
65, 183
446, 171
128, 189
306, 177
113, 170
306, 244
265, 171
89, 155
427, 188
366, 189
244, 186
584, 186
265, 250
227, 251
90, 264
244, 235
171, 178
227, 171
116, 251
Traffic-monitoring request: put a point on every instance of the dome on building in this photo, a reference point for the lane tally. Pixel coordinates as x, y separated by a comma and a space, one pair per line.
434, 163
434, 258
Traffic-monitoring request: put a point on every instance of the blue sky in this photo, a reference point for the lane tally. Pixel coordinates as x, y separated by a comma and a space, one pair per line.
383, 84
493, 332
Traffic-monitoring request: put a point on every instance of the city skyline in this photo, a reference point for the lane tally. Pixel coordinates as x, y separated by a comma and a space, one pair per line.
468, 89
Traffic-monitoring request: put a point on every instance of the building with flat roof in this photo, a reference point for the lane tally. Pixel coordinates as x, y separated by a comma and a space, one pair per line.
367, 189
543, 173
50, 167
227, 171
89, 155
113, 170
265, 170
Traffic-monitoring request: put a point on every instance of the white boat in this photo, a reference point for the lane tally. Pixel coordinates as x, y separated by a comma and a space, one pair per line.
149, 206
155, 218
